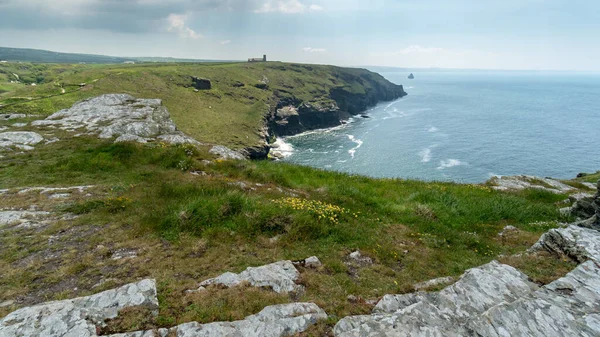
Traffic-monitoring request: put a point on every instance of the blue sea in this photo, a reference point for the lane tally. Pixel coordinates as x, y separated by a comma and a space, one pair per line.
467, 126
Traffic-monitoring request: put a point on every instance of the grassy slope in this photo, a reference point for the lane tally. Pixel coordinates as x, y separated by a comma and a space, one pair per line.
187, 228
228, 115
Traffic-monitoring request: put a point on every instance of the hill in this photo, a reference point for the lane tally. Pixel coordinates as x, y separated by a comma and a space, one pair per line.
240, 105
46, 56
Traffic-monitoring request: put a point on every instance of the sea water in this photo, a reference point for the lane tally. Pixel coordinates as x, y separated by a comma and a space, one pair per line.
467, 126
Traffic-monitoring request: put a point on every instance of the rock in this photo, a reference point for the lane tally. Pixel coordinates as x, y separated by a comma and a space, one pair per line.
6, 117
568, 306
517, 183
6, 303
433, 283
280, 276
201, 83
576, 242
261, 85
19, 125
118, 115
78, 317
444, 313
59, 196
20, 217
507, 230
237, 84
131, 138
124, 253
48, 190
19, 139
589, 185
357, 258
226, 153
273, 321
312, 262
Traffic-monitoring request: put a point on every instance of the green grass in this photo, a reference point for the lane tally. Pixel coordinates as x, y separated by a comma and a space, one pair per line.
191, 227
226, 114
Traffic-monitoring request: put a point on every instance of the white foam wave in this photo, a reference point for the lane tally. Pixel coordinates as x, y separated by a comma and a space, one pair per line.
409, 87
425, 155
433, 129
444, 164
282, 148
358, 143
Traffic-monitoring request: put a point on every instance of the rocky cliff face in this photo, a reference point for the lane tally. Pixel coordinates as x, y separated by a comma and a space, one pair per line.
290, 115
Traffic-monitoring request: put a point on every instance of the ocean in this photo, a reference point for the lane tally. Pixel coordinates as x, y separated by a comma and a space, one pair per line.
467, 126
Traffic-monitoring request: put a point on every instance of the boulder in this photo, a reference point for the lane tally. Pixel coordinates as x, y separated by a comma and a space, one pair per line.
280, 276
78, 317
201, 83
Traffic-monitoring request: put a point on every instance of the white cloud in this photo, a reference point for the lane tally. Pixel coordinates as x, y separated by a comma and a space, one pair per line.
177, 24
225, 42
286, 7
314, 50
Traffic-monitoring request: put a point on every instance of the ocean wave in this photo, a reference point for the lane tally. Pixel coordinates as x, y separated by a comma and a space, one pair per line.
425, 155
358, 143
282, 148
433, 129
444, 164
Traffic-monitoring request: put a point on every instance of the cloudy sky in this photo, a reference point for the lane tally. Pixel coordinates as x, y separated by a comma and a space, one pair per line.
490, 34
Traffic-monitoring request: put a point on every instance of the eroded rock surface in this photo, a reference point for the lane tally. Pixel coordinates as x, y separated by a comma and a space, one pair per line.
576, 242
78, 317
444, 313
506, 183
23, 140
116, 115
273, 321
280, 276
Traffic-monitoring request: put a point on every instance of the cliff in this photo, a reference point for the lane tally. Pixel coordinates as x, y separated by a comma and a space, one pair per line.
358, 90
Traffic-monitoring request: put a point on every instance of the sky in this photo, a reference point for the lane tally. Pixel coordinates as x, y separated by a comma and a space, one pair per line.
479, 34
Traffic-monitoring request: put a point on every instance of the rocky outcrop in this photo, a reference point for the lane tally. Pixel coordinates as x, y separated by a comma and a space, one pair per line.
516, 183
78, 317
123, 117
280, 276
22, 140
119, 115
84, 317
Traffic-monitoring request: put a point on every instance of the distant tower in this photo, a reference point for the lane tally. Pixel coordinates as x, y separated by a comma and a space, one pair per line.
264, 58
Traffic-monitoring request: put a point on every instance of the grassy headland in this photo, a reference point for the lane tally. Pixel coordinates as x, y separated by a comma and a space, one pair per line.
233, 112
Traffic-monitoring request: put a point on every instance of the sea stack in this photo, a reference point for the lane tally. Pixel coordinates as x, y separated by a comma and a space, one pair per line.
411, 76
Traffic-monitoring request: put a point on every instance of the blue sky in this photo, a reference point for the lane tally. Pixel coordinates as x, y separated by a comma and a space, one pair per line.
488, 34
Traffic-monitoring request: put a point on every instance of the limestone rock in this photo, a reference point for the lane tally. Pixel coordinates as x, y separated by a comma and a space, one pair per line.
444, 313
576, 242
118, 115
434, 283
20, 217
226, 153
516, 183
19, 139
312, 262
273, 321
280, 276
568, 306
78, 317
6, 117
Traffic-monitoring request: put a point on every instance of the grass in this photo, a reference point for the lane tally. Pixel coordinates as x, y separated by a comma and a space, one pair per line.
226, 114
185, 228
